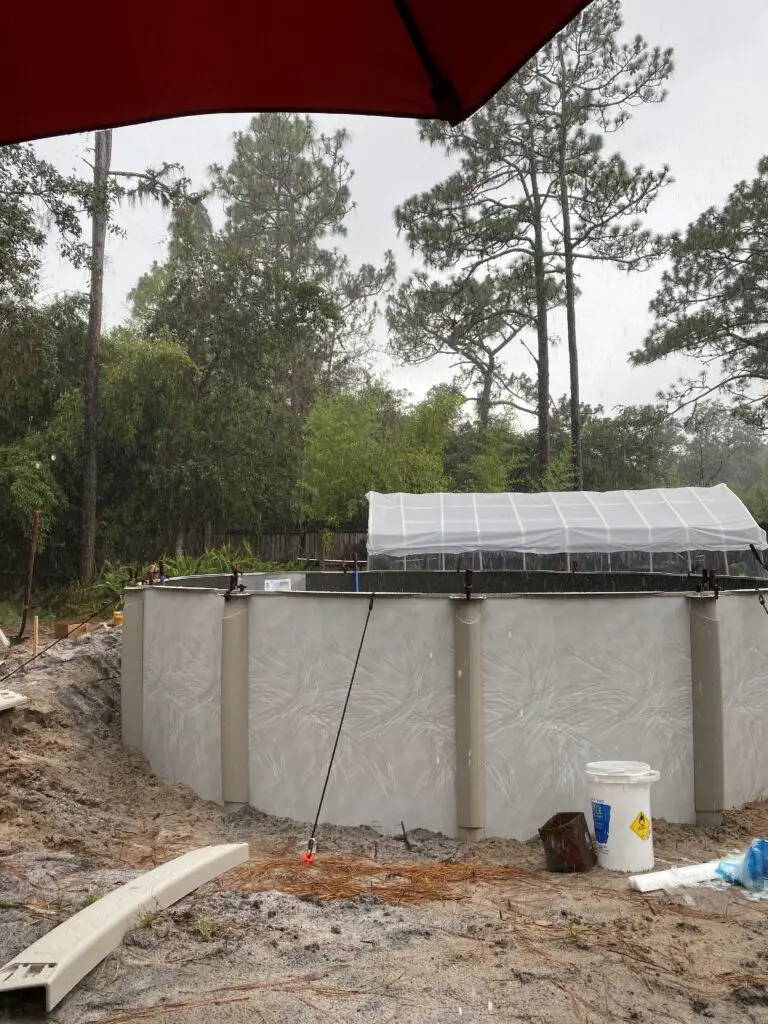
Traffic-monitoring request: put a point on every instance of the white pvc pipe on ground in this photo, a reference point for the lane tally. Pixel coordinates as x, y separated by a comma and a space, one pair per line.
675, 878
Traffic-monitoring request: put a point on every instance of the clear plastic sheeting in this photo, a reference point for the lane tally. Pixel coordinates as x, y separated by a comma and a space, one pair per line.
662, 519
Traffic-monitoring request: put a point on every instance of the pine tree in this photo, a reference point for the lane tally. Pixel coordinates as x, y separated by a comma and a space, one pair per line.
533, 183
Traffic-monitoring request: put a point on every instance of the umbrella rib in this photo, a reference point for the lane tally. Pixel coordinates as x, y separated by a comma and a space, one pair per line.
444, 93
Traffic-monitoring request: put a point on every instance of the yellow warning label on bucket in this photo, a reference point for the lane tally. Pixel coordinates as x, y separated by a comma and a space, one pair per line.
641, 826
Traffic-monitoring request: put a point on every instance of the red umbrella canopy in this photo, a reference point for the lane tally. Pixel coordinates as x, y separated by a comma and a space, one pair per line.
68, 67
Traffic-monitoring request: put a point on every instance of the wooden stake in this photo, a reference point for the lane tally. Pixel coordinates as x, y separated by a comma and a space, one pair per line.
30, 572
35, 636
406, 840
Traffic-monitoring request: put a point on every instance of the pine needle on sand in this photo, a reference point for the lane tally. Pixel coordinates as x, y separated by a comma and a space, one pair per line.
344, 878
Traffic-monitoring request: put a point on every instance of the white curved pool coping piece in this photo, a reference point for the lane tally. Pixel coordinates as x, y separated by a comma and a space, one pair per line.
10, 699
62, 958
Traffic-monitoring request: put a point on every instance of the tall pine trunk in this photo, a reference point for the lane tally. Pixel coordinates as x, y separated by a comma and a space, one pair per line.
540, 272
486, 395
577, 460
102, 159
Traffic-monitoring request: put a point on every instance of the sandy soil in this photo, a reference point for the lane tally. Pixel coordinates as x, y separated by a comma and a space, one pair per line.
79, 816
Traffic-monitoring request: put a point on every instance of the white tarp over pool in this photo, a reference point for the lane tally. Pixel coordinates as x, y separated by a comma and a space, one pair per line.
664, 519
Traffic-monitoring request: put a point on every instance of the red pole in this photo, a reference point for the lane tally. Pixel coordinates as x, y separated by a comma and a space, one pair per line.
30, 572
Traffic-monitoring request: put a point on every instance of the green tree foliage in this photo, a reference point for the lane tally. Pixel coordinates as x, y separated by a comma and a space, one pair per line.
719, 447
236, 323
713, 303
636, 448
190, 229
285, 190
342, 433
489, 459
756, 497
28, 484
39, 346
41, 354
269, 313
177, 451
144, 390
367, 441
256, 339
287, 197
474, 321
33, 196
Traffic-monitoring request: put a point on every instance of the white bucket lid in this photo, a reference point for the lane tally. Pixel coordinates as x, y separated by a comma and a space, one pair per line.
622, 772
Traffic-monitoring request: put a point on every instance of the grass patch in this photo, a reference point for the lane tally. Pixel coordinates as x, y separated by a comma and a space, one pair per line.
205, 928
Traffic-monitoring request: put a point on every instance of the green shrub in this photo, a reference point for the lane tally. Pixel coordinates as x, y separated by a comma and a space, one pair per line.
106, 591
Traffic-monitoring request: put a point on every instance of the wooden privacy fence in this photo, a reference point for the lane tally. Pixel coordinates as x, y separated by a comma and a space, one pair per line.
292, 546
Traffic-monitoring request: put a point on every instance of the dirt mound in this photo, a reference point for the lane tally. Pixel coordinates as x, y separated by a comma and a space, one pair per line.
95, 706
67, 783
85, 695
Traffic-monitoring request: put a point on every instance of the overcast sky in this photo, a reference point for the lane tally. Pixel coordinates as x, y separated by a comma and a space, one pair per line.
711, 131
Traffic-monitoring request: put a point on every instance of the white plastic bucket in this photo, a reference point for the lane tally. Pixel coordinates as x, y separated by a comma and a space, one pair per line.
620, 792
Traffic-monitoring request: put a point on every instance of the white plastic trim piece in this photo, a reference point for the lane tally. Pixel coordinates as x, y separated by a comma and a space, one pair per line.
10, 699
276, 585
675, 878
62, 958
